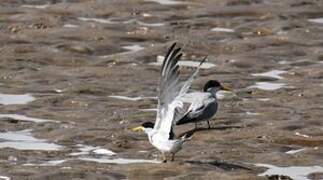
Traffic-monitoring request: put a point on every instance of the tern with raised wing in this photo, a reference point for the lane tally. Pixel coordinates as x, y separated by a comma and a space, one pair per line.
171, 91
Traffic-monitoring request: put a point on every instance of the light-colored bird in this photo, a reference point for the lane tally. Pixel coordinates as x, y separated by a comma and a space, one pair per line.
171, 91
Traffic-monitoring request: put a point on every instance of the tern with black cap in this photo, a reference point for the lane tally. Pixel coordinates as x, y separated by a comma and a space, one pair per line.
171, 91
203, 105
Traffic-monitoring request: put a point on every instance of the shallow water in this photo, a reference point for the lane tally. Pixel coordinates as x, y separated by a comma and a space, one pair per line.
10, 99
220, 29
23, 140
268, 86
4, 178
36, 6
302, 135
263, 99
47, 163
86, 149
186, 63
240, 37
167, 2
273, 74
131, 98
295, 172
133, 48
316, 20
70, 26
114, 21
295, 151
25, 118
252, 113
98, 20
118, 160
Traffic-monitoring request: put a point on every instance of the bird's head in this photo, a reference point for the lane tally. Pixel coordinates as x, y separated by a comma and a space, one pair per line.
216, 85
144, 126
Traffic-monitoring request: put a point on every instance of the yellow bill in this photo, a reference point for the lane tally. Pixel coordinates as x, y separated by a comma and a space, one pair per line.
138, 129
225, 88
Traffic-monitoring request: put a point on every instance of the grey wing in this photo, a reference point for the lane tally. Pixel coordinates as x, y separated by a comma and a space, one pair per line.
183, 95
188, 83
200, 112
169, 89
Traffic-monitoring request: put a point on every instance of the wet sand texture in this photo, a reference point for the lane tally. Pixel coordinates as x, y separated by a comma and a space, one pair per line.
77, 75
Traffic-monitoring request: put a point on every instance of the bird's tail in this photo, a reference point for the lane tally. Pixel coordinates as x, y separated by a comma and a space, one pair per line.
187, 137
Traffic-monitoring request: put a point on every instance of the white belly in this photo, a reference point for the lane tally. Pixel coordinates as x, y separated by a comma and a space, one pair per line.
166, 145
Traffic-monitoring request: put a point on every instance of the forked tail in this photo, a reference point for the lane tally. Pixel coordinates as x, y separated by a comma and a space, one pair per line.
187, 137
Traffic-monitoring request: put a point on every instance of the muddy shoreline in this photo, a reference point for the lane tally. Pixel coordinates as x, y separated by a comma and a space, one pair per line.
74, 75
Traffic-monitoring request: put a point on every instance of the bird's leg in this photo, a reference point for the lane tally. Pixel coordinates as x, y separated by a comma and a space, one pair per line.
208, 124
164, 157
172, 157
195, 125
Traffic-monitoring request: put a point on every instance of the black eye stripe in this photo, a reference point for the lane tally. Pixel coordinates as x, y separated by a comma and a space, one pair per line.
148, 125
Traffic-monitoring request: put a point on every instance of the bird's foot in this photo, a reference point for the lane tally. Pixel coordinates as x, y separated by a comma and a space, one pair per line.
164, 158
172, 157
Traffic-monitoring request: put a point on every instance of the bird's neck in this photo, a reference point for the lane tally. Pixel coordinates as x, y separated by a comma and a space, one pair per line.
149, 132
213, 91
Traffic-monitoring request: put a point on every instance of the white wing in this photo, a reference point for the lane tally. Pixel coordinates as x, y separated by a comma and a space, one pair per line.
171, 91
168, 91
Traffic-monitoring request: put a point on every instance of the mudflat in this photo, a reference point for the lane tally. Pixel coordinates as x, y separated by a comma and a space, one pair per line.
77, 75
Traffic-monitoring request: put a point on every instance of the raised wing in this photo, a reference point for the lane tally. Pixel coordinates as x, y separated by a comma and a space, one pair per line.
188, 83
169, 89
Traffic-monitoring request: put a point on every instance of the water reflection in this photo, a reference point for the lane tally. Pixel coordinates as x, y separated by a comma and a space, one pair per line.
23, 140
114, 21
118, 160
219, 29
167, 2
133, 48
86, 150
316, 20
131, 98
294, 172
47, 163
70, 26
4, 178
273, 74
268, 86
9, 99
25, 118
35, 6
295, 151
187, 63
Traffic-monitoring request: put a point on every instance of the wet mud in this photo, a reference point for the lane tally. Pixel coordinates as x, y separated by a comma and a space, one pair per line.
77, 75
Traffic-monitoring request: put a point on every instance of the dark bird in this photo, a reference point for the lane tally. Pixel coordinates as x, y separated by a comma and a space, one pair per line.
203, 105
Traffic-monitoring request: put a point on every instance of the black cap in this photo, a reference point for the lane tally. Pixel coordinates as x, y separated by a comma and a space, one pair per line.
211, 84
148, 125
